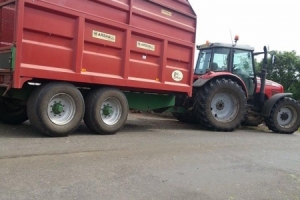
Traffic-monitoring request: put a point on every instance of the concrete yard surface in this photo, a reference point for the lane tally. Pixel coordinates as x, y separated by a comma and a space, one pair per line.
152, 157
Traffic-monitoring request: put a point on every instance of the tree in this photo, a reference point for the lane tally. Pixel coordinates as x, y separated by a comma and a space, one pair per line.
285, 71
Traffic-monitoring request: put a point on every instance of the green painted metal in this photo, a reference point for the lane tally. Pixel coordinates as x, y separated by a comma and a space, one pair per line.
107, 110
57, 108
13, 58
146, 101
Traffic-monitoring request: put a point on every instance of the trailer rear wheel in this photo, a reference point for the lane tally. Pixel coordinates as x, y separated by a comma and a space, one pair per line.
220, 105
56, 109
106, 110
284, 117
12, 111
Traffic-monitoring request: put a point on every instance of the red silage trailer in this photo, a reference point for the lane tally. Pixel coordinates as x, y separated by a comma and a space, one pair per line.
62, 61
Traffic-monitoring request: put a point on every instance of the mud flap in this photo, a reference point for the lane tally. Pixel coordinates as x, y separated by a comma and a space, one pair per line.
266, 111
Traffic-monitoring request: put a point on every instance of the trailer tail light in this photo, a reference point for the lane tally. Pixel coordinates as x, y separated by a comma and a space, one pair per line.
1, 79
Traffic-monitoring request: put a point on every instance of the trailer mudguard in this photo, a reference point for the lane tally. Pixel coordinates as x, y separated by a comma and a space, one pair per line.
271, 102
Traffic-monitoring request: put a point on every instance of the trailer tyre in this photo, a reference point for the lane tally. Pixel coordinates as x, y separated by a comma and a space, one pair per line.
12, 112
220, 105
284, 117
106, 110
56, 109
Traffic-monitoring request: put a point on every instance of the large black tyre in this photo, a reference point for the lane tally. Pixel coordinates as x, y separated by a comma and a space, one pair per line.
220, 105
56, 109
12, 111
252, 120
284, 117
106, 110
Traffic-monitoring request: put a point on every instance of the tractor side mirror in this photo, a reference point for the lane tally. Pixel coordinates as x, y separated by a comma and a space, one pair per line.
273, 59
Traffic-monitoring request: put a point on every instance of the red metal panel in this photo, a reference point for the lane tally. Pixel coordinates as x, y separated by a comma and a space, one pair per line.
145, 62
154, 17
143, 45
7, 14
112, 10
103, 49
48, 38
48, 22
182, 6
180, 52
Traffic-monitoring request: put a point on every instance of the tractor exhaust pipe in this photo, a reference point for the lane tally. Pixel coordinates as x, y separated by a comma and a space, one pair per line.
263, 76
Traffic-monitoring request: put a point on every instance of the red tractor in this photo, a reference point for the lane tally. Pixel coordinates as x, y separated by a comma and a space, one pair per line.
227, 92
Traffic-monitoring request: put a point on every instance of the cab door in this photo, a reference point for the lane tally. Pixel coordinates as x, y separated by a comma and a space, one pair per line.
242, 66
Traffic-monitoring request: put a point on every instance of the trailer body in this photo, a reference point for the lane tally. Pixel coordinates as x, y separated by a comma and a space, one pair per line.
135, 45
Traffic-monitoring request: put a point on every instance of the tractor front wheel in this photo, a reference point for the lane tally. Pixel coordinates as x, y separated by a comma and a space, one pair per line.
284, 117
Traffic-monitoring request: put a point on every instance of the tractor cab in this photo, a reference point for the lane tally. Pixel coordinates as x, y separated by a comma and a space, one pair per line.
227, 58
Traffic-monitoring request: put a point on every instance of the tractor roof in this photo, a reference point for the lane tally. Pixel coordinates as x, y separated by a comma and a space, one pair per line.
212, 45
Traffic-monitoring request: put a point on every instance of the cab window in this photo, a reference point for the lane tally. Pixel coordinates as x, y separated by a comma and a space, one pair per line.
203, 61
243, 67
220, 59
242, 63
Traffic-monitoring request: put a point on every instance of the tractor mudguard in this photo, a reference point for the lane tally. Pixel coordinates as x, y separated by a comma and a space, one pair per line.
200, 82
266, 111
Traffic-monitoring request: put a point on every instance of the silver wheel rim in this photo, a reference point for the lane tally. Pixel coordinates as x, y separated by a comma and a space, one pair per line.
61, 109
286, 117
224, 106
111, 111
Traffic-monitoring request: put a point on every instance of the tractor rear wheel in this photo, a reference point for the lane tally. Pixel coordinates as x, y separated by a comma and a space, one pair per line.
220, 105
284, 117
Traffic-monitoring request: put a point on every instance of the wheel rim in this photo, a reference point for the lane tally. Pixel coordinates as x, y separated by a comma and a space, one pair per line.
287, 117
61, 109
224, 106
111, 111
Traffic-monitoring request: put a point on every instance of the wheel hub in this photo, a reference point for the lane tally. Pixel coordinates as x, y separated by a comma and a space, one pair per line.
111, 111
107, 110
220, 105
57, 108
284, 116
61, 109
